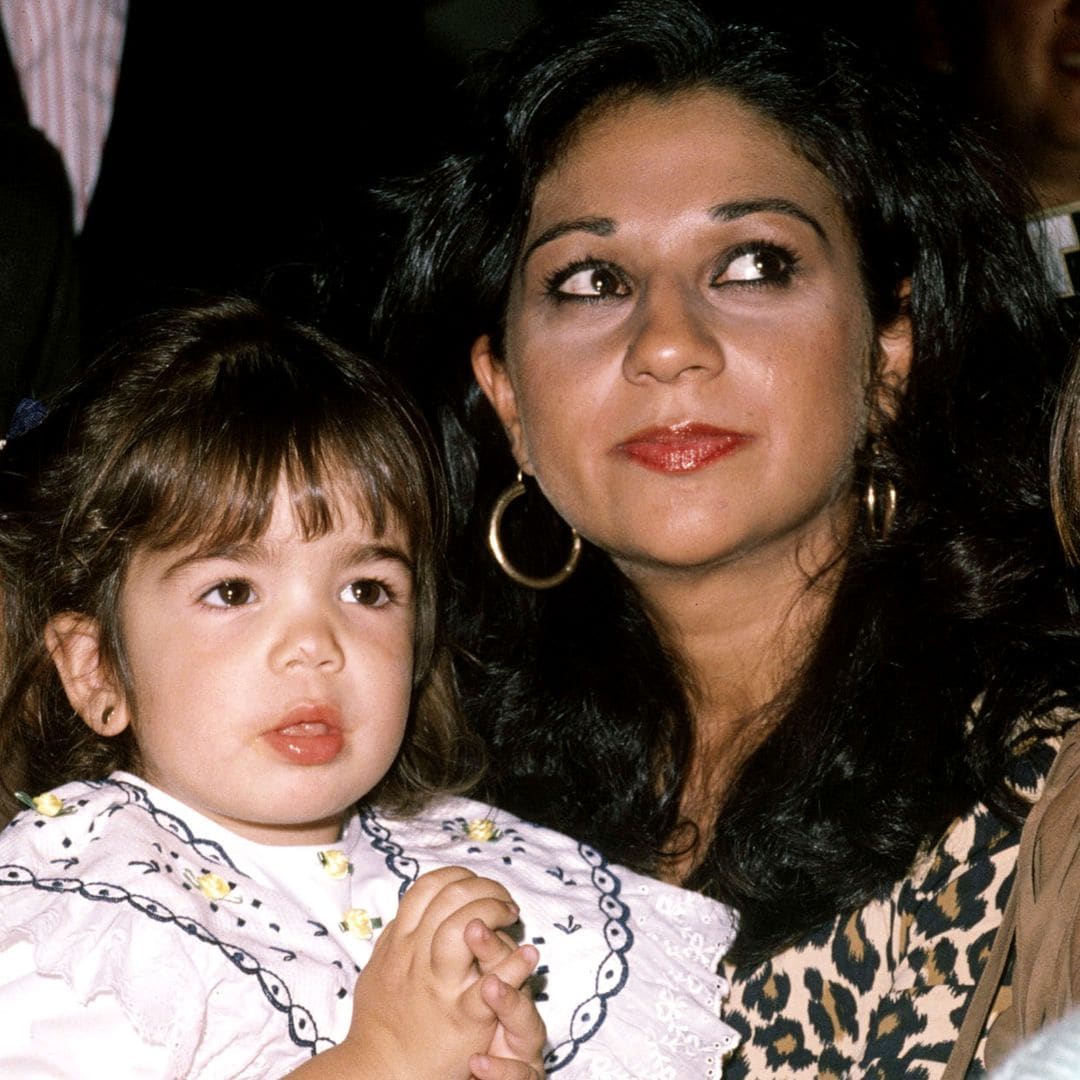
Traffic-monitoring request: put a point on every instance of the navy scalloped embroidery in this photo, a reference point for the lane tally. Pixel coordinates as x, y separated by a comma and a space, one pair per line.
613, 971
402, 866
303, 1030
137, 798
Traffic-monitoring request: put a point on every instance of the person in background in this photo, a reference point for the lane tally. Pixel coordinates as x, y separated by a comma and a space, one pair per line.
1014, 65
203, 145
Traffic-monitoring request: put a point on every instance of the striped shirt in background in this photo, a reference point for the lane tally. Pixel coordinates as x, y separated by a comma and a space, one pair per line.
67, 56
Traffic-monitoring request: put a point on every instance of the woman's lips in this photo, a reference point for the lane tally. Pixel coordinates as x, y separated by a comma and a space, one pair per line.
309, 735
681, 448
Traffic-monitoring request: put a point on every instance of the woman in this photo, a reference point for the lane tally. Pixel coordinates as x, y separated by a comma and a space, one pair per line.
769, 337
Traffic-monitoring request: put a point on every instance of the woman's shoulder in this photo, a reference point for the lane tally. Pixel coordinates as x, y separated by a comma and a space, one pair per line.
628, 982
891, 980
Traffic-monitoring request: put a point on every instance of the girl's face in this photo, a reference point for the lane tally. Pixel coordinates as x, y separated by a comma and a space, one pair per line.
271, 680
688, 344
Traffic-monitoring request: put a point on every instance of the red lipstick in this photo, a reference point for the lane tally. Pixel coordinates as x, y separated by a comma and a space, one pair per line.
682, 448
308, 735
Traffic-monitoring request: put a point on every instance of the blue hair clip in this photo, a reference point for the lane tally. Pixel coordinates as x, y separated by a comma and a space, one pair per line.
28, 414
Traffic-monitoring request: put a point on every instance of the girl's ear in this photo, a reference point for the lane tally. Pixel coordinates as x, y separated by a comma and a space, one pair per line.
74, 643
494, 380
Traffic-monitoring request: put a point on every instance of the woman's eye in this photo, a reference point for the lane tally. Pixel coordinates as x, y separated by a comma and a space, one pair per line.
766, 264
229, 594
366, 591
592, 282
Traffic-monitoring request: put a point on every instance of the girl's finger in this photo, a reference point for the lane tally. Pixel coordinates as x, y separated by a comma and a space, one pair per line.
485, 1067
488, 947
523, 1032
517, 967
451, 957
423, 891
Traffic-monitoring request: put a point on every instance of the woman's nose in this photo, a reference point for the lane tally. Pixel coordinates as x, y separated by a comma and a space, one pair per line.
672, 338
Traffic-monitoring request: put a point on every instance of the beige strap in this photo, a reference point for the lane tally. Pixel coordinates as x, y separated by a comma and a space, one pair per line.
967, 1040
1042, 920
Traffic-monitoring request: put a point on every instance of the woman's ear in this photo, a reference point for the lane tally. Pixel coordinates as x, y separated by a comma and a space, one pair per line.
494, 380
895, 347
74, 643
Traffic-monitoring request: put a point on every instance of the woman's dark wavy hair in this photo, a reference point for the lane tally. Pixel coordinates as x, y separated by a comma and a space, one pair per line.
942, 637
179, 434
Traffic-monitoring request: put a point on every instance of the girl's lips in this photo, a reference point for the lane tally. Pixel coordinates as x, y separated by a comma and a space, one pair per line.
309, 735
682, 448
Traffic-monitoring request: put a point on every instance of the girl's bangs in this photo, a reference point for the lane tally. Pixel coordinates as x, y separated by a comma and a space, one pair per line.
221, 491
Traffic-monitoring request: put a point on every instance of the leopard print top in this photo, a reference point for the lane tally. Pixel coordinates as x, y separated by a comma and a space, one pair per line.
881, 992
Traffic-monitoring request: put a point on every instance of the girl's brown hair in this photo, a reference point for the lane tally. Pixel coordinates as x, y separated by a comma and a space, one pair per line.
179, 434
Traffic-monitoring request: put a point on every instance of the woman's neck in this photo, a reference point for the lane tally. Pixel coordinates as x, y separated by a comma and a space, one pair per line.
741, 629
742, 632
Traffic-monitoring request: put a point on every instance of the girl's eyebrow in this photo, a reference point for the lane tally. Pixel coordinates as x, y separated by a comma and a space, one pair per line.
244, 551
259, 552
365, 553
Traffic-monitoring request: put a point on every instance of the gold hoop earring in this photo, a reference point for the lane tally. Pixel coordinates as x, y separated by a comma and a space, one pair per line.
509, 494
880, 507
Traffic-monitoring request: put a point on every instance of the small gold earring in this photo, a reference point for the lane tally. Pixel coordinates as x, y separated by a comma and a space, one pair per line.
880, 508
106, 716
510, 493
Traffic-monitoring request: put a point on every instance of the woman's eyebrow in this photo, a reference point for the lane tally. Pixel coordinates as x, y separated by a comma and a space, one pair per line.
727, 211
597, 226
731, 211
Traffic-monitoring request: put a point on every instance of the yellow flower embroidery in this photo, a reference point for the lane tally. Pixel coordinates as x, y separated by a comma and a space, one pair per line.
212, 886
482, 829
48, 805
335, 863
357, 922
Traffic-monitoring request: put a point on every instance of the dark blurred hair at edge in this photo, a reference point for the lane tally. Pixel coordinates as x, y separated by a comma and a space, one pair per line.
941, 638
180, 434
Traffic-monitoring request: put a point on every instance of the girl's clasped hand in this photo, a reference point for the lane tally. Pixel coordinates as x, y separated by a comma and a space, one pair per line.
429, 961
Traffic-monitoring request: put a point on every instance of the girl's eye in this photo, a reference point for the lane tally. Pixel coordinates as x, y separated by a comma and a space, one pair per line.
757, 263
589, 282
366, 591
233, 593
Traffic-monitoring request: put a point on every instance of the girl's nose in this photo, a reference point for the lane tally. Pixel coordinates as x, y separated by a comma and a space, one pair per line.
672, 338
307, 640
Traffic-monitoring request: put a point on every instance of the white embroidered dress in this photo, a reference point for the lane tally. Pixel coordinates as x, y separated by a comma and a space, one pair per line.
133, 928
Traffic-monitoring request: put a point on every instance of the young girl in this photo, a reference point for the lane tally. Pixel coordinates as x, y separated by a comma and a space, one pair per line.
219, 558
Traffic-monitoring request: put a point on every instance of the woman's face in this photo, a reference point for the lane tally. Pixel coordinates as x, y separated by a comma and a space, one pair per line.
688, 345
